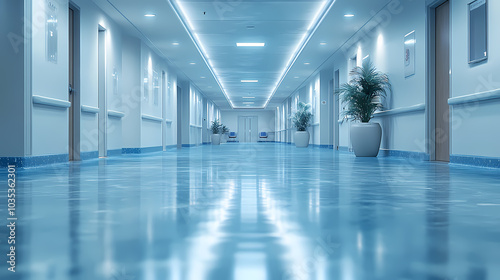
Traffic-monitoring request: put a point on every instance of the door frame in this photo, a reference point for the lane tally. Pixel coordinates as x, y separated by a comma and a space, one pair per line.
102, 92
179, 117
74, 96
164, 110
430, 99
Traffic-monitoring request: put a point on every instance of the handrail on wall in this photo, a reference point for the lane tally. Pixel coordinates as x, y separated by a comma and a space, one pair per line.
53, 102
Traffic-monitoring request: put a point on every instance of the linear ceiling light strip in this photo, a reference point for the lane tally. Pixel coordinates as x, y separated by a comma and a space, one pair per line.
199, 48
301, 47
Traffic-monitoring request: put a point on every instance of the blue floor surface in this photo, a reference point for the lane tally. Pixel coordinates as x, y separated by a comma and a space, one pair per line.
254, 211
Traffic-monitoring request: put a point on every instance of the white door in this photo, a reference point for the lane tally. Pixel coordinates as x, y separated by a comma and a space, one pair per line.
248, 129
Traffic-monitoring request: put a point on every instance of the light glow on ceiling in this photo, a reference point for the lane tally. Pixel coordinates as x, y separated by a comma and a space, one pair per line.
248, 97
249, 81
320, 16
186, 23
348, 15
321, 13
248, 102
250, 44
150, 15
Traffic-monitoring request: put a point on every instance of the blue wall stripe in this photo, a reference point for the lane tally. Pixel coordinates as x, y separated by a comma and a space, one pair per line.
404, 154
115, 152
476, 161
33, 160
142, 150
89, 155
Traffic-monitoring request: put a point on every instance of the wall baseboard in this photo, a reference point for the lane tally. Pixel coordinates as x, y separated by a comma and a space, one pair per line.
188, 145
33, 161
480, 161
142, 150
320, 146
89, 155
114, 152
404, 154
343, 149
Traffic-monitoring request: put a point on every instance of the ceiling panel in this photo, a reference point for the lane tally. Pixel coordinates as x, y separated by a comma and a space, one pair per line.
219, 25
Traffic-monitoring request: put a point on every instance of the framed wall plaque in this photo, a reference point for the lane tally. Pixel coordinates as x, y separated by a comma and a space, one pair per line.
409, 55
478, 31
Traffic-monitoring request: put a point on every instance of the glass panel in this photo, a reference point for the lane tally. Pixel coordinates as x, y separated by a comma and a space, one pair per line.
477, 31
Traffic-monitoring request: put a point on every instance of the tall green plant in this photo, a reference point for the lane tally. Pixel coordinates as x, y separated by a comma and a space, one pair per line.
302, 118
215, 127
364, 92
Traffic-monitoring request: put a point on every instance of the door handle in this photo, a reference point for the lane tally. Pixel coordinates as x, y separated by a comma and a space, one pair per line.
70, 89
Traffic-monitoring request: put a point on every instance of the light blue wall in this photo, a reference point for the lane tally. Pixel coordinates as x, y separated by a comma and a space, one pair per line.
474, 128
12, 79
49, 123
127, 61
266, 119
151, 101
132, 93
382, 41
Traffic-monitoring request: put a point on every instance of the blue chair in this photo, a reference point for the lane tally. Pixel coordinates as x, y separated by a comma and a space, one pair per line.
263, 136
232, 136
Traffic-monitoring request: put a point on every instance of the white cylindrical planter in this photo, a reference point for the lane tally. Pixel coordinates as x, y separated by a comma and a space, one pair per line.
215, 139
365, 139
301, 139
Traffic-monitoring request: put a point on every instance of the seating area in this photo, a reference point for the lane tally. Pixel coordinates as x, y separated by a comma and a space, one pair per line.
263, 136
232, 136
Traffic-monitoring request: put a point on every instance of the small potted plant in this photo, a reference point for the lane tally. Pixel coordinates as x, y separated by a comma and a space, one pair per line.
223, 131
215, 128
301, 120
363, 96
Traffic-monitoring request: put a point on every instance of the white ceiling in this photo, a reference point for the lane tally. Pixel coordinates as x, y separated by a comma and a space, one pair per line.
217, 26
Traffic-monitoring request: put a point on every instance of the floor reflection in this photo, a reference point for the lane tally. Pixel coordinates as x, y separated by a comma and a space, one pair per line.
266, 211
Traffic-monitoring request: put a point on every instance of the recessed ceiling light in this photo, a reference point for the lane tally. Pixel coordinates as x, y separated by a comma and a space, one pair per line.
348, 15
307, 63
248, 97
250, 44
203, 77
249, 81
248, 102
296, 77
150, 15
175, 43
192, 63
322, 43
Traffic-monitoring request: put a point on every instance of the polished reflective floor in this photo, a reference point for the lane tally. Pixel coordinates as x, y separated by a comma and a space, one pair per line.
256, 211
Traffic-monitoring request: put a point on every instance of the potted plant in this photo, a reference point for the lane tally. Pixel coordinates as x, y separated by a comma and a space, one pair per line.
363, 96
215, 128
223, 131
301, 120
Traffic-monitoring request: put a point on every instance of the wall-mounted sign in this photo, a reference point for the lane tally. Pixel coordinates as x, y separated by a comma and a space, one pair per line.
51, 32
115, 81
478, 31
409, 55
